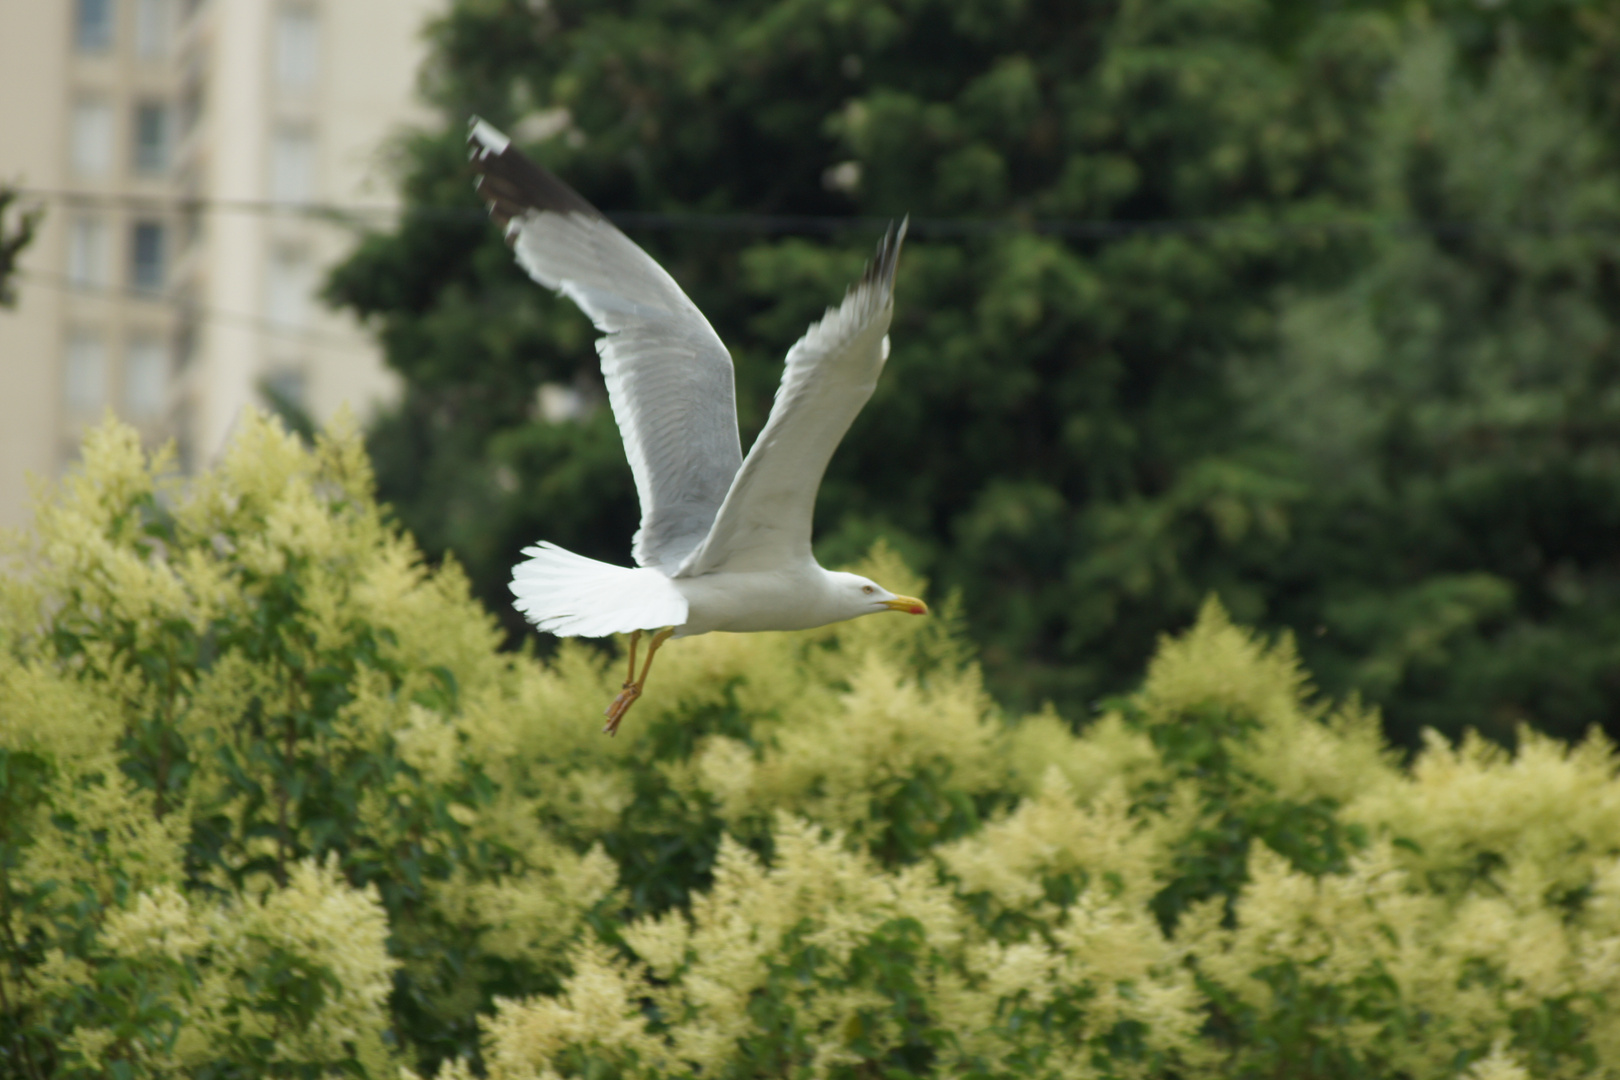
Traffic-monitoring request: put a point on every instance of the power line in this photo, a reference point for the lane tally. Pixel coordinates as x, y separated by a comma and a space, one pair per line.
356, 213
183, 204
186, 308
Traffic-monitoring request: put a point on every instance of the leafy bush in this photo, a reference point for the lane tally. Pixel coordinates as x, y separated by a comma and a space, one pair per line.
272, 804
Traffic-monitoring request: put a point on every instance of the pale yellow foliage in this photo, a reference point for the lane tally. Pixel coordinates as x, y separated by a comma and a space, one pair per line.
316, 917
43, 711
820, 897
1053, 834
1596, 949
160, 922
1292, 751
269, 508
1218, 663
1549, 811
1448, 947
1466, 965
884, 833
1497, 1065
719, 958
828, 759
1107, 752
115, 839
597, 1009
532, 916
319, 918
739, 925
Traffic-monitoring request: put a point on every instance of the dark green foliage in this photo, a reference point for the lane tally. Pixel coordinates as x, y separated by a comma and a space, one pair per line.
1459, 391
1240, 808
24, 777
1333, 334
12, 242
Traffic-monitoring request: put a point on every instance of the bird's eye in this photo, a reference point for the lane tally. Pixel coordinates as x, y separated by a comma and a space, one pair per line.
868, 590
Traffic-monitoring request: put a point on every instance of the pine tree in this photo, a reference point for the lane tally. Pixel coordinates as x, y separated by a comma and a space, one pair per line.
1453, 409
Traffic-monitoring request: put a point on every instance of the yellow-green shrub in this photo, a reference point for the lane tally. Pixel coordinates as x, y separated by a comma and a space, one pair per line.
272, 803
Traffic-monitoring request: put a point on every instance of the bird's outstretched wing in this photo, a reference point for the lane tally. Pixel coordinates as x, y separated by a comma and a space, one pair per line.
831, 371
669, 377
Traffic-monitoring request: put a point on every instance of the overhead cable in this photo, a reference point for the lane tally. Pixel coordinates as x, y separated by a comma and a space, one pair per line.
354, 214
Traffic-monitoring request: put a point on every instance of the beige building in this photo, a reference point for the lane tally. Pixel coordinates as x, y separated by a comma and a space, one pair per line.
178, 147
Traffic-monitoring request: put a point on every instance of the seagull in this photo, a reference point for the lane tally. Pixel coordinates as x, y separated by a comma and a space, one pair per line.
724, 542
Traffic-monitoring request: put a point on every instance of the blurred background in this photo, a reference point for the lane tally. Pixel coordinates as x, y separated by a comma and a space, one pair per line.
199, 165
1309, 305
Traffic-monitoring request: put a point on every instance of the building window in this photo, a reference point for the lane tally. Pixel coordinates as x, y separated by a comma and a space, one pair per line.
154, 24
152, 137
89, 253
297, 47
93, 25
146, 379
146, 269
91, 140
289, 281
292, 165
84, 384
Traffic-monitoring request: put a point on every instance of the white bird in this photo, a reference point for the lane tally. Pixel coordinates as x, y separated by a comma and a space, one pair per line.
724, 542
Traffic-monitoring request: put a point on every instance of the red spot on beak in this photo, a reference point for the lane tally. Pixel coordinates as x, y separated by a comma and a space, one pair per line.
918, 609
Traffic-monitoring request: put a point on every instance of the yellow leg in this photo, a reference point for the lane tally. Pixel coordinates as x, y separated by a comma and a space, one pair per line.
630, 676
632, 690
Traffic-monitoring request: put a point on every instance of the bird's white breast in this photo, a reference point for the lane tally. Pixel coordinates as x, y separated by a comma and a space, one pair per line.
794, 599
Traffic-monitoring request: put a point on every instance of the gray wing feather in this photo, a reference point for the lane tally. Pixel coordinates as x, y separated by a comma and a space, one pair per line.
669, 377
831, 372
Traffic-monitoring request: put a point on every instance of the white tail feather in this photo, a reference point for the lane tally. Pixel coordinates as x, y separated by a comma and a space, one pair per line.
572, 596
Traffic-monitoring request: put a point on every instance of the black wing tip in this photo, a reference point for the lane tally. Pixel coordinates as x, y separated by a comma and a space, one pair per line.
512, 184
880, 271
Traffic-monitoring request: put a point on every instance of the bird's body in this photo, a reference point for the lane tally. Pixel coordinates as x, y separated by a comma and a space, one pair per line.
571, 595
724, 542
792, 598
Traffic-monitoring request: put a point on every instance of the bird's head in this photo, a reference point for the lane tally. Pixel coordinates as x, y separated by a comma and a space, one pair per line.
863, 596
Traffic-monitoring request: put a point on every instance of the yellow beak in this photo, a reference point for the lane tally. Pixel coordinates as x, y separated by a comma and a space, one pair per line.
910, 605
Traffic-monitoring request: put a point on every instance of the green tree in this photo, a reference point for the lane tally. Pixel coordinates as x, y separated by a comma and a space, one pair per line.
1047, 395
1454, 409
12, 241
1083, 430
